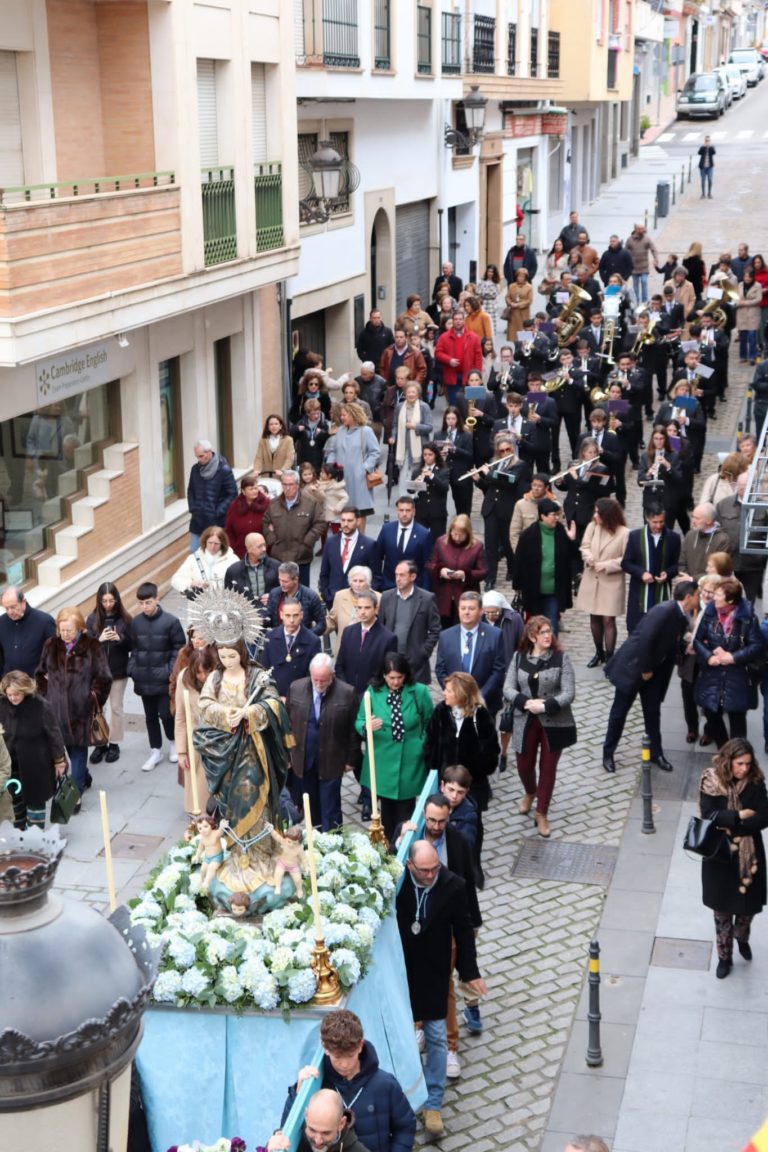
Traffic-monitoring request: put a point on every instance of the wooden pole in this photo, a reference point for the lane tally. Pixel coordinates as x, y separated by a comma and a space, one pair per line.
107, 851
191, 755
312, 868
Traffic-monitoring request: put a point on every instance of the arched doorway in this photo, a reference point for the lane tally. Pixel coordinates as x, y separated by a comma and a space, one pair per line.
381, 265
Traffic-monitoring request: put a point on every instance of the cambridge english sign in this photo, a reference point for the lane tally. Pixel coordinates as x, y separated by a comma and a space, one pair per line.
80, 370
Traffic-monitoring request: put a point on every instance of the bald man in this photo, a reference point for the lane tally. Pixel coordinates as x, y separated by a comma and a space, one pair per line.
256, 574
328, 1127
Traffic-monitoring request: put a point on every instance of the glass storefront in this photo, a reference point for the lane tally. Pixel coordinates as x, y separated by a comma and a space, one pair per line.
42, 458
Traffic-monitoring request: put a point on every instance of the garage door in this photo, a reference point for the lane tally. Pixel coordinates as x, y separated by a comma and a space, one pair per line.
412, 252
11, 159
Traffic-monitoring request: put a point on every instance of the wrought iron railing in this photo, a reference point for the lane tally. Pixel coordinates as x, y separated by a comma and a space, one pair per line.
382, 61
511, 49
340, 34
451, 43
534, 69
484, 44
268, 182
553, 55
219, 226
87, 186
423, 40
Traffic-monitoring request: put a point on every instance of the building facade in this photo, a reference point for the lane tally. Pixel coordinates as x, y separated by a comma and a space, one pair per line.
148, 221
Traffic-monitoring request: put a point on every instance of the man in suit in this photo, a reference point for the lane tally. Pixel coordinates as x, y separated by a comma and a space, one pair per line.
651, 559
475, 647
343, 552
363, 646
289, 648
432, 912
643, 665
404, 539
541, 425
322, 711
256, 575
510, 377
448, 277
411, 613
289, 586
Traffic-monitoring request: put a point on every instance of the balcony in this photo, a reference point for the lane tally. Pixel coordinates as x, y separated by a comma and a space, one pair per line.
325, 32
553, 55
219, 227
268, 182
511, 49
534, 64
64, 243
423, 40
484, 45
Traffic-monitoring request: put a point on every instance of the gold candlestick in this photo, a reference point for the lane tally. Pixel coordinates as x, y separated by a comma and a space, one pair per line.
328, 986
376, 832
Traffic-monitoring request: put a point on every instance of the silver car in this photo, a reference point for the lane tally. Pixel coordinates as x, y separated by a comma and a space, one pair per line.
737, 81
703, 94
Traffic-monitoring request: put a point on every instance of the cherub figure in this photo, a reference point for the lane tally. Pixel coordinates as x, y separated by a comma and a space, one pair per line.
290, 857
210, 849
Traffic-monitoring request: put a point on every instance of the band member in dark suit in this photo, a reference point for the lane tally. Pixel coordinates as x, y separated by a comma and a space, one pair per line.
363, 646
432, 498
404, 539
651, 561
643, 666
344, 551
541, 415
569, 400
289, 648
456, 445
502, 485
508, 377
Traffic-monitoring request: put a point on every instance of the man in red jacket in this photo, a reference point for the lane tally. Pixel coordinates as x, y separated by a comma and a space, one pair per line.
459, 351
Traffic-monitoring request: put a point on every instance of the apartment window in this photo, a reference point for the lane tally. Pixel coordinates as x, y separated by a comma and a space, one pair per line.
207, 113
511, 48
612, 59
11, 155
553, 55
451, 43
423, 40
534, 71
340, 141
340, 34
308, 142
381, 35
484, 44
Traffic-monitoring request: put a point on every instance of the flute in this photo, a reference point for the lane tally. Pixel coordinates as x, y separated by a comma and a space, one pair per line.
490, 465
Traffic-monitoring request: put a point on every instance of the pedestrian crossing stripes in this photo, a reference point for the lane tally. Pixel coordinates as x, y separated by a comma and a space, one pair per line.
717, 135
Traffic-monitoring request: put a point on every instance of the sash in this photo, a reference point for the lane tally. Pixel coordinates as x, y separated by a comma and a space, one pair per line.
649, 592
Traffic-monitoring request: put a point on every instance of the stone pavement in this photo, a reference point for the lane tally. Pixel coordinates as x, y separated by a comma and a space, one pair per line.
524, 1079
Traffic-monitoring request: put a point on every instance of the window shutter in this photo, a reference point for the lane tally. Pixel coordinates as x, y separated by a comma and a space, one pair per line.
11, 155
206, 113
258, 114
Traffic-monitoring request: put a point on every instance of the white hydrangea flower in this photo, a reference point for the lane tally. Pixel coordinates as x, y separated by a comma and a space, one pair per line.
302, 955
368, 917
169, 878
265, 994
302, 986
193, 982
344, 914
336, 934
181, 951
218, 949
167, 987
282, 959
229, 982
346, 964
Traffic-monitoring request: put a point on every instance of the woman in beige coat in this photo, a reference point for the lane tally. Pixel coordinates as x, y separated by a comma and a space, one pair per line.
601, 592
518, 299
202, 662
276, 450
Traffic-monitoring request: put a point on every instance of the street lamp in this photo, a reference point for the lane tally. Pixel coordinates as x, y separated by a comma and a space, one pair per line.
333, 178
473, 105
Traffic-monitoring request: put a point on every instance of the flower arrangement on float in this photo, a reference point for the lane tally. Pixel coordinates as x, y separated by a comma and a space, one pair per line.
222, 1145
219, 961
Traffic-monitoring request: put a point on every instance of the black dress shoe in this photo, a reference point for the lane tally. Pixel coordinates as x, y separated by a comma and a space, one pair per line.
597, 659
113, 753
745, 950
723, 968
88, 781
692, 737
98, 754
664, 764
609, 764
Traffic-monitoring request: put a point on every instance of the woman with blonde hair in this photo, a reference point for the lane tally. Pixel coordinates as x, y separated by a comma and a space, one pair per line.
723, 482
461, 730
719, 564
357, 450
696, 268
688, 668
457, 565
73, 675
32, 736
206, 566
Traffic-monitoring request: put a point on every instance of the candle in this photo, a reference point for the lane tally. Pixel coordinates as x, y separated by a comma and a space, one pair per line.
107, 851
191, 755
312, 868
371, 757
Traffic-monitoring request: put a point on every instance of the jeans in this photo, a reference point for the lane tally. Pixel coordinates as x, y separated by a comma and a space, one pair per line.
640, 286
551, 609
78, 763
194, 541
706, 181
157, 710
747, 345
436, 1057
453, 392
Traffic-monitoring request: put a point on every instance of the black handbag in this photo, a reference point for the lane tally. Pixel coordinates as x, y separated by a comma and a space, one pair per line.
64, 800
706, 840
507, 719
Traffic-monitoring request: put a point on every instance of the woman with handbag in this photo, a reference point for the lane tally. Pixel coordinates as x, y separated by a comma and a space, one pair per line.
206, 566
400, 709
727, 641
733, 885
538, 691
73, 675
33, 739
109, 624
357, 450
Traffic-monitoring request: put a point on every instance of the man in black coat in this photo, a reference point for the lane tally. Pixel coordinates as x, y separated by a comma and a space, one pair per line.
314, 611
520, 256
432, 912
545, 592
651, 560
322, 710
329, 1126
23, 631
373, 339
211, 489
155, 638
289, 648
449, 278
256, 574
363, 645
643, 665
502, 486
411, 613
344, 551
615, 259
540, 425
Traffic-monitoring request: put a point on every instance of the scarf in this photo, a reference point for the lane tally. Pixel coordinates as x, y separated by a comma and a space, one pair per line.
415, 441
650, 592
711, 785
209, 470
394, 703
725, 618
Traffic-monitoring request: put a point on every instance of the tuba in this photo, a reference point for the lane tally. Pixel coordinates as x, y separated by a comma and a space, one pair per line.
571, 319
598, 396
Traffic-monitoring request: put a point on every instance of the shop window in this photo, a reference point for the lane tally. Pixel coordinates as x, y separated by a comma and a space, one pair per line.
170, 429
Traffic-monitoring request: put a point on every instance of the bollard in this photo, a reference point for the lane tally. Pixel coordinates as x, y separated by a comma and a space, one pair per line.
645, 789
655, 213
739, 433
594, 1051
690, 166
748, 414
682, 179
673, 182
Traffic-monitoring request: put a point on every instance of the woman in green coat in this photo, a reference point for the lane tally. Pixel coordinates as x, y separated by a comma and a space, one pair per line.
400, 711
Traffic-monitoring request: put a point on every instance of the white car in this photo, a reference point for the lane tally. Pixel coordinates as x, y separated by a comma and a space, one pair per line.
750, 62
723, 74
736, 80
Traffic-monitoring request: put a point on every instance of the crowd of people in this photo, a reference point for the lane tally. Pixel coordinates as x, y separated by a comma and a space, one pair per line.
456, 671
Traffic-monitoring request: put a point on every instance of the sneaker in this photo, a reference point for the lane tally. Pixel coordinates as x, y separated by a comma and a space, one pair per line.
152, 760
173, 755
453, 1066
433, 1123
113, 753
420, 1041
98, 754
473, 1020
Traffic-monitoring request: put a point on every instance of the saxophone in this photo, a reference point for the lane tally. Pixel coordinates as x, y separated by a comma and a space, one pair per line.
471, 420
571, 320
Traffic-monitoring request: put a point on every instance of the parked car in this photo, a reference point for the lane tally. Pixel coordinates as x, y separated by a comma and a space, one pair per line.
763, 49
751, 63
703, 94
722, 72
736, 80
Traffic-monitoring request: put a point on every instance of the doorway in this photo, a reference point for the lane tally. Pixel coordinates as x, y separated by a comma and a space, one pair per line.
492, 249
381, 265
